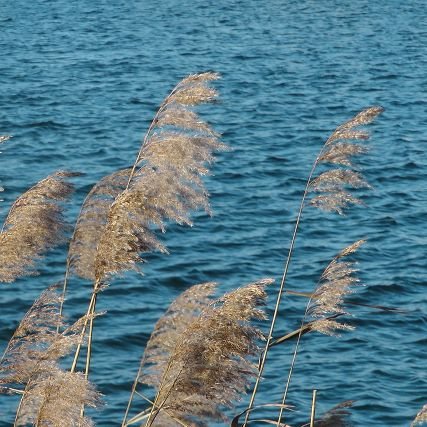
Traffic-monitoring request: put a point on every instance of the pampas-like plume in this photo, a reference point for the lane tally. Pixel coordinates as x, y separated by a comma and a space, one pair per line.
91, 223
36, 344
169, 328
51, 397
339, 149
165, 182
33, 224
210, 365
335, 283
164, 338
421, 417
56, 399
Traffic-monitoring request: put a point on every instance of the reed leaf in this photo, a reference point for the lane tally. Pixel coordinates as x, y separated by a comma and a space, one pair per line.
168, 329
34, 224
210, 366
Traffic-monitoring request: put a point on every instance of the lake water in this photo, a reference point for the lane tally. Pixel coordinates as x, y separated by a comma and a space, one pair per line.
80, 82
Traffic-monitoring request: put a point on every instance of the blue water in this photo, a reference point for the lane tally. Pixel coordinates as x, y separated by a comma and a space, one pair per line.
81, 80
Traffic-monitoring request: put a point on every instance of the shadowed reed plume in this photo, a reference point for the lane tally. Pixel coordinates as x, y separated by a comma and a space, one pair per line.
210, 365
31, 359
57, 399
338, 416
168, 329
334, 196
421, 417
89, 227
34, 224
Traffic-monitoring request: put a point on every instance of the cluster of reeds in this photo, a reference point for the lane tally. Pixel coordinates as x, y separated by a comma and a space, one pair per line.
204, 353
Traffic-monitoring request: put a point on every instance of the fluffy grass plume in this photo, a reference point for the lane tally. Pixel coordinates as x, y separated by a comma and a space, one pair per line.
91, 223
335, 283
165, 182
210, 366
34, 224
31, 360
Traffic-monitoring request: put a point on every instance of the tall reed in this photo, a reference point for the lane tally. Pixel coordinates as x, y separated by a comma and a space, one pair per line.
333, 195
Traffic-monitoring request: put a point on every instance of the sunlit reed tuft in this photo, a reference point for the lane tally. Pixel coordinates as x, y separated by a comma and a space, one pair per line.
165, 183
91, 223
210, 366
34, 224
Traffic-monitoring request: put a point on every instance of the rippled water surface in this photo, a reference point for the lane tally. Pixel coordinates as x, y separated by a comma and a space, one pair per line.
80, 81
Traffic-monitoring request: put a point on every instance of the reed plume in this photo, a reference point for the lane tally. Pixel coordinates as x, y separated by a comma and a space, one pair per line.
34, 224
167, 331
31, 359
325, 303
421, 417
335, 283
210, 366
55, 400
91, 223
339, 149
165, 181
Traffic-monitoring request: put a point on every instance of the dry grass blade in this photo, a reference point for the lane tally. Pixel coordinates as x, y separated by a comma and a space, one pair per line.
165, 182
33, 224
421, 417
210, 366
35, 344
91, 223
56, 400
